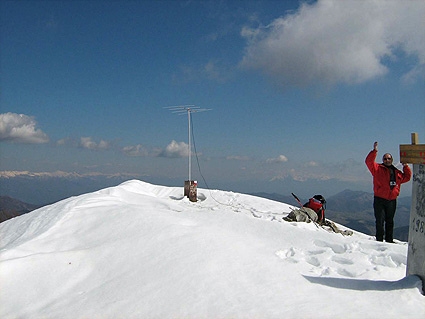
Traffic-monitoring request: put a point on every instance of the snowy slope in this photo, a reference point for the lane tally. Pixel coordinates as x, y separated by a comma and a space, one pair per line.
143, 251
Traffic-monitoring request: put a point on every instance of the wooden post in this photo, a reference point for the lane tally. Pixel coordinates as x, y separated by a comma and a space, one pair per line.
415, 154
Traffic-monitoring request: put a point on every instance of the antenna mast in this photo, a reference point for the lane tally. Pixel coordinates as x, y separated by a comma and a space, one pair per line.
189, 109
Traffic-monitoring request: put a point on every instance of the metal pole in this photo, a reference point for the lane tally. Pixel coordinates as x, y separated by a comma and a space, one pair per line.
180, 110
190, 153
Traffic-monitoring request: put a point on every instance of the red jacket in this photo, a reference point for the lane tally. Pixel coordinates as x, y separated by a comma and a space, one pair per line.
381, 177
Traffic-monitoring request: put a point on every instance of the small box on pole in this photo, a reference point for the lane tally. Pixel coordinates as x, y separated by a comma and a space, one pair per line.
190, 190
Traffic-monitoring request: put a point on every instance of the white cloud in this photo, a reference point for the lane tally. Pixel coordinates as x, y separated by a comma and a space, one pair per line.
237, 158
61, 142
136, 150
88, 143
84, 142
312, 163
279, 159
333, 41
20, 128
175, 150
67, 142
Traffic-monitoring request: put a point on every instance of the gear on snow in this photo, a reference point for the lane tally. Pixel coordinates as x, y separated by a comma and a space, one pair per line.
303, 214
314, 211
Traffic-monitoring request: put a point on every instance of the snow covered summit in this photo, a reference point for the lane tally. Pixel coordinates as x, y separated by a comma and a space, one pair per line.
144, 251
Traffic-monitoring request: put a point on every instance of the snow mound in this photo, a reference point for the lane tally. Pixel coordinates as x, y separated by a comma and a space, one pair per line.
139, 250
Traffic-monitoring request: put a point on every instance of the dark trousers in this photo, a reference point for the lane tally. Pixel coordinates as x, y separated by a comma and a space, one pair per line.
384, 215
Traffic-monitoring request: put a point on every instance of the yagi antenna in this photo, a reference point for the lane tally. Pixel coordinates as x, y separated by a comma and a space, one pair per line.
181, 110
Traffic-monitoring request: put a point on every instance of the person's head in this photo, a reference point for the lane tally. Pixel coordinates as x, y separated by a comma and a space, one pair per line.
387, 159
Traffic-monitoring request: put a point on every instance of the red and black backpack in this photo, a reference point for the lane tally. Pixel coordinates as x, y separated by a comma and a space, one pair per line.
318, 204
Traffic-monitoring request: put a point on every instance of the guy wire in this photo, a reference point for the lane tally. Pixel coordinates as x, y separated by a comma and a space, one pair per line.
199, 167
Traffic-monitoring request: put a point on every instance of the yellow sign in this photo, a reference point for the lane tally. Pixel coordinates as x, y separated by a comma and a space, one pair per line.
412, 154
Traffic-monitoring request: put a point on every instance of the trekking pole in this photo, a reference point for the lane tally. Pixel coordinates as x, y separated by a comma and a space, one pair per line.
297, 199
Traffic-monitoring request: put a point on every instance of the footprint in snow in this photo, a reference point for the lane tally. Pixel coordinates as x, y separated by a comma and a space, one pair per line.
338, 249
313, 261
342, 260
317, 252
387, 261
255, 213
347, 273
287, 255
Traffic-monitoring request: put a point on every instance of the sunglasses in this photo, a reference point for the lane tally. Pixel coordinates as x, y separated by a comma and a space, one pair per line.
387, 158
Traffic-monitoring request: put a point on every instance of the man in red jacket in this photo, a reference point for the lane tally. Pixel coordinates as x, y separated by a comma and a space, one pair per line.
386, 187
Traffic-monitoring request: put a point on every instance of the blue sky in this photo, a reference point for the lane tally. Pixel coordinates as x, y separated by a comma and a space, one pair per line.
298, 92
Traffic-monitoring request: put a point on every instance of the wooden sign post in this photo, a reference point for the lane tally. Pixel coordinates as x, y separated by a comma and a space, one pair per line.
415, 154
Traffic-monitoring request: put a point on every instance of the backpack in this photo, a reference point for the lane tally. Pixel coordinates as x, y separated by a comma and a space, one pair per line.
303, 214
318, 204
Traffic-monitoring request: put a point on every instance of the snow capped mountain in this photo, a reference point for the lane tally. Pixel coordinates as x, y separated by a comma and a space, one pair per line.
56, 174
139, 250
48, 187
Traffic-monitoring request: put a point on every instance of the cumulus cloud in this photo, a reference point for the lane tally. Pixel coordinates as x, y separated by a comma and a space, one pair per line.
333, 41
20, 128
68, 142
135, 150
88, 143
175, 150
279, 159
85, 143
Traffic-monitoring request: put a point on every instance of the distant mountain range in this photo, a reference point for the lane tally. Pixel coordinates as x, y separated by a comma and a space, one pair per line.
49, 187
354, 209
350, 208
10, 207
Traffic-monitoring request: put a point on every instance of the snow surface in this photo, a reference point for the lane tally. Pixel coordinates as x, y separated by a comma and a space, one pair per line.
139, 250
